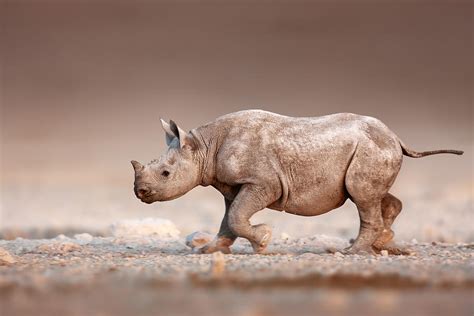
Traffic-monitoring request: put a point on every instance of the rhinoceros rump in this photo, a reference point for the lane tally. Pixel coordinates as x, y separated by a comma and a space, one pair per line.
305, 166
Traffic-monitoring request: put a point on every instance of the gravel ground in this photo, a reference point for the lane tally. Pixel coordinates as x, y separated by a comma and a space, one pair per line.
145, 275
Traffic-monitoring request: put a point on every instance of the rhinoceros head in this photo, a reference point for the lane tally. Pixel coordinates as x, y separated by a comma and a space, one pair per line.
174, 173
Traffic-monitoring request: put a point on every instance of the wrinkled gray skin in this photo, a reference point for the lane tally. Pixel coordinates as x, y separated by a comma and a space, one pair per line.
304, 166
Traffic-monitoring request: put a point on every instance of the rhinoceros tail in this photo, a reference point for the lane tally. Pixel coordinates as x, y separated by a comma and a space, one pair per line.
415, 154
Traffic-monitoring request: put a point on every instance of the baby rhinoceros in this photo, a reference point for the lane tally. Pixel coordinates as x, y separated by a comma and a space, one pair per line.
301, 165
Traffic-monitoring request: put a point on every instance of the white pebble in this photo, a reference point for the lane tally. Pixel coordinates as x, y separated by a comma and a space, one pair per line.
61, 237
85, 237
198, 239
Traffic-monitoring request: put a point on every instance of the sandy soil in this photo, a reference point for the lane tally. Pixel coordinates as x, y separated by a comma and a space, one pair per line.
146, 275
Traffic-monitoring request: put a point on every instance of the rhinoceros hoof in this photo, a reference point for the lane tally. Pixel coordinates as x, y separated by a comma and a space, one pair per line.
392, 249
263, 236
359, 251
384, 238
220, 243
211, 248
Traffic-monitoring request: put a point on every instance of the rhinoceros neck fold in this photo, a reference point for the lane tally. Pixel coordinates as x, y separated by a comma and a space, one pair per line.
208, 148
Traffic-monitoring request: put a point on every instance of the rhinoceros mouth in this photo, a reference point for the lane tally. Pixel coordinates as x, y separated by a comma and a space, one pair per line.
148, 199
154, 197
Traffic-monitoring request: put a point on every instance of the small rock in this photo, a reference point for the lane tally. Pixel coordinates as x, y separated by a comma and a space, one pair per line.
414, 241
332, 250
384, 253
217, 264
58, 248
198, 239
285, 236
6, 258
85, 237
61, 237
338, 254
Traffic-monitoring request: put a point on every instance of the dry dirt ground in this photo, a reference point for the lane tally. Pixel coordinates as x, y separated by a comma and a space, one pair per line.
88, 275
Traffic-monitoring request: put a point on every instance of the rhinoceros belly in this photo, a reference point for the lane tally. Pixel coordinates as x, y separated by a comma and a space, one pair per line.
313, 178
313, 194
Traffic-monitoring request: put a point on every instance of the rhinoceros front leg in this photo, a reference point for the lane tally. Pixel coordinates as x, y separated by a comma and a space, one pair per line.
225, 237
250, 199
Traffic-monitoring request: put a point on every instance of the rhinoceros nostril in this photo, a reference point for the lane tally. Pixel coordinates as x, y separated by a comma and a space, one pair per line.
143, 192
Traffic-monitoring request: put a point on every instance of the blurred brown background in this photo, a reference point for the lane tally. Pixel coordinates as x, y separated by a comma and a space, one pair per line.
84, 83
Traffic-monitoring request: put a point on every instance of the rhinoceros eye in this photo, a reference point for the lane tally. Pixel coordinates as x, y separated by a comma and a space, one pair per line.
165, 173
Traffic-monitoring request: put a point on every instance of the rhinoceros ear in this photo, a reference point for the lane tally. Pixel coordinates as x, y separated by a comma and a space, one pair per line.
181, 134
168, 132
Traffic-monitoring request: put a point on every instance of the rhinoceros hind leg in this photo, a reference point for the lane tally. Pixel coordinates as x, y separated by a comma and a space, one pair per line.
391, 207
369, 177
371, 226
